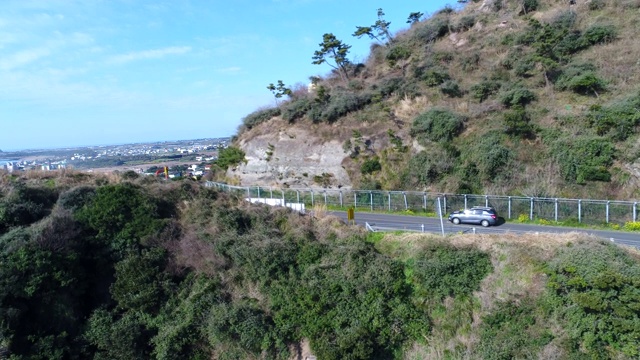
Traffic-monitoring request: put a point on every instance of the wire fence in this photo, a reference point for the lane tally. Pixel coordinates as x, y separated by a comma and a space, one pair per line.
585, 211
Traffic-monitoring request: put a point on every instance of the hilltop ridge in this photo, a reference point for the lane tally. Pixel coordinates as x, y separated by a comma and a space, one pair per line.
535, 98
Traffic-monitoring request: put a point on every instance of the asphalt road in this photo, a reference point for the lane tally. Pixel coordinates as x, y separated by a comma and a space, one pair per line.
388, 222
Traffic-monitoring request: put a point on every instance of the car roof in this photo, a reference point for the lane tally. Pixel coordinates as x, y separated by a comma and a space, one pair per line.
483, 208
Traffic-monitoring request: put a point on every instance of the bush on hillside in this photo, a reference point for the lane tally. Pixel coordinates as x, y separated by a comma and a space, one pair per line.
343, 103
529, 6
483, 90
598, 34
431, 30
230, 156
437, 125
451, 89
435, 77
442, 271
488, 156
465, 23
398, 53
295, 109
259, 116
518, 123
370, 166
618, 121
584, 158
427, 167
597, 283
517, 96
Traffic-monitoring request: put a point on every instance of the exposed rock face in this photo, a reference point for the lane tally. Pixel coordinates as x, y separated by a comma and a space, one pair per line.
291, 157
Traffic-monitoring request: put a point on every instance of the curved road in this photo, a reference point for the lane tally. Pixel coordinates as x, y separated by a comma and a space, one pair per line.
389, 222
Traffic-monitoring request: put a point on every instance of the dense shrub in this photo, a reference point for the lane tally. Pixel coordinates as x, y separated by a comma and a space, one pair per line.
484, 89
121, 216
435, 77
451, 89
295, 109
437, 125
441, 271
370, 166
229, 157
488, 156
427, 167
618, 120
598, 34
596, 5
518, 123
26, 205
465, 23
341, 104
76, 198
530, 5
398, 53
580, 78
431, 30
597, 283
517, 96
513, 331
260, 116
584, 158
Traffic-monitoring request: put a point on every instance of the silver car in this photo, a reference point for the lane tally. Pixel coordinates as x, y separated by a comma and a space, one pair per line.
485, 216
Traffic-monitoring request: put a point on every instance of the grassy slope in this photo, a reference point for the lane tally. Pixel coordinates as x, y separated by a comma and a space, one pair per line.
530, 162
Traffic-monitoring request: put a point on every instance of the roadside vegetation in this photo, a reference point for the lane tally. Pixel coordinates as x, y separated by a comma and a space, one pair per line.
530, 98
114, 267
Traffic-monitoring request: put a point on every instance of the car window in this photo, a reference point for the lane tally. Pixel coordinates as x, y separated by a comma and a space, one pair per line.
477, 212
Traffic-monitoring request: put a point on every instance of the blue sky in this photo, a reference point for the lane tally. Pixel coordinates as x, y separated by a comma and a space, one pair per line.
93, 72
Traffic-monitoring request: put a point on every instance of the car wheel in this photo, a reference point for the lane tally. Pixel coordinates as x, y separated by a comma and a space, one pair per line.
484, 223
456, 221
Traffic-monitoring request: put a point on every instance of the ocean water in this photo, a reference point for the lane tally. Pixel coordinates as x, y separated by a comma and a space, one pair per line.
4, 161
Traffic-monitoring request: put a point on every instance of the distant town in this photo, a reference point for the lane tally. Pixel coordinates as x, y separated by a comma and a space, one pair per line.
169, 158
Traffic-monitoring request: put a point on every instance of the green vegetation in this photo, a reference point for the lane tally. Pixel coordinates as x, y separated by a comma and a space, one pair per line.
230, 156
171, 270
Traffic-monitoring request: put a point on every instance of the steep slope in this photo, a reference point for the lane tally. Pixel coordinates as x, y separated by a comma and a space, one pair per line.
534, 97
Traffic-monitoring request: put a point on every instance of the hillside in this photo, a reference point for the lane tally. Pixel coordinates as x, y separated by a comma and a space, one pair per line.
506, 97
127, 267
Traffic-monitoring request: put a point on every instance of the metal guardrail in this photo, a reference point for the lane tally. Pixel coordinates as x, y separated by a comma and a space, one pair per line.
585, 211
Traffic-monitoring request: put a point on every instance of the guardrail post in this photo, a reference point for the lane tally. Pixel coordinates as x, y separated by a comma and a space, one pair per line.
406, 206
371, 199
312, 198
509, 207
424, 201
635, 209
355, 200
465, 201
270, 192
325, 199
283, 200
579, 211
298, 196
248, 192
608, 211
258, 192
389, 197
556, 210
486, 200
531, 210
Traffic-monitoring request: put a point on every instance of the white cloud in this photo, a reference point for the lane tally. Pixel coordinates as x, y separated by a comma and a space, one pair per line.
230, 70
23, 58
149, 54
